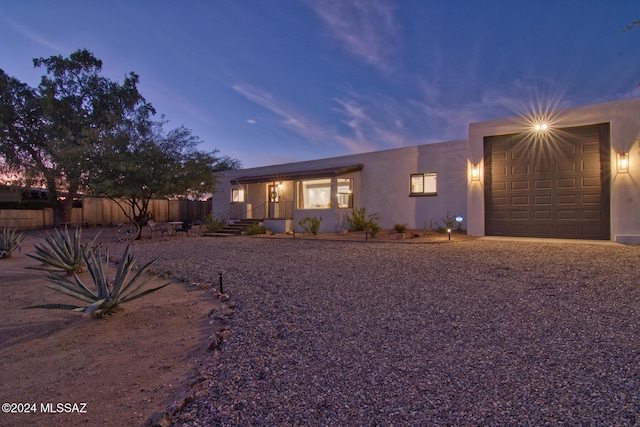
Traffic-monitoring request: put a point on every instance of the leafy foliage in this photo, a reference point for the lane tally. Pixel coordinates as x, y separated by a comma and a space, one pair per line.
105, 296
310, 225
255, 229
448, 223
10, 242
63, 253
400, 228
360, 221
51, 130
146, 163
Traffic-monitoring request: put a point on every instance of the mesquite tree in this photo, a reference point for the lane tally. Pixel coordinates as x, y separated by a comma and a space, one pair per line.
48, 132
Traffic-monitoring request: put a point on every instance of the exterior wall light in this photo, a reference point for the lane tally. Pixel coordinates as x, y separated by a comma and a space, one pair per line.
540, 126
623, 162
475, 172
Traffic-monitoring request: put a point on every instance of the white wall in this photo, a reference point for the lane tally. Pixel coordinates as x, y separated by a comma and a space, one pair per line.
382, 186
624, 117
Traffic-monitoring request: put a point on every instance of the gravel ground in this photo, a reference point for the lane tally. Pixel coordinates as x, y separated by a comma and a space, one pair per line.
463, 333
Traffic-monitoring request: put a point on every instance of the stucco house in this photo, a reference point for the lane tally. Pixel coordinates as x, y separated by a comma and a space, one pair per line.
563, 174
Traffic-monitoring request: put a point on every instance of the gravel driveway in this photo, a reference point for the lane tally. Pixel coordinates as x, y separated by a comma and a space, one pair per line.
464, 333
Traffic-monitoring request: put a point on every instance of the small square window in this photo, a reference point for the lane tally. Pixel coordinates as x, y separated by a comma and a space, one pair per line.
424, 184
237, 195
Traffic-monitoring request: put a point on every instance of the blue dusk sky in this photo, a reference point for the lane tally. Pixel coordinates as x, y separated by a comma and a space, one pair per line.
277, 81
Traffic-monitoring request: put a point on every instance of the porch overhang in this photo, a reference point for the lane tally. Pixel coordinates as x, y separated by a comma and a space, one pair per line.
298, 175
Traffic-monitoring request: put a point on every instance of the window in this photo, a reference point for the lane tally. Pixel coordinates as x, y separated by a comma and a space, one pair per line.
424, 184
345, 193
237, 195
314, 194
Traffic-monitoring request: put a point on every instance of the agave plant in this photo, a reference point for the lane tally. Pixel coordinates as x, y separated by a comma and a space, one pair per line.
63, 253
105, 296
9, 242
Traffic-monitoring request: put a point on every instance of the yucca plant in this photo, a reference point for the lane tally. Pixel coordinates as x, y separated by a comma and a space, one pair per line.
105, 296
10, 242
63, 253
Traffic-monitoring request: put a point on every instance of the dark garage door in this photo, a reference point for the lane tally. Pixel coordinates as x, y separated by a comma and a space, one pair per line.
554, 184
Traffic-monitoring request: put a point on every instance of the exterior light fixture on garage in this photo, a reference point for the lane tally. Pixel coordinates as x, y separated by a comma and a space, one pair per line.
475, 172
623, 162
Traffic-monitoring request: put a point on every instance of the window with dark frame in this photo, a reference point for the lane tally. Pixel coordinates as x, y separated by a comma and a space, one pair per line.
423, 184
237, 195
345, 193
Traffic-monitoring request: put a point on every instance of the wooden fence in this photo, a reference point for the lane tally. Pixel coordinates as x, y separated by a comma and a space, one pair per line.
97, 211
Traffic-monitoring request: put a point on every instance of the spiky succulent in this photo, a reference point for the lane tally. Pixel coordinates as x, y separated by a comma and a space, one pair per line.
63, 253
10, 241
104, 296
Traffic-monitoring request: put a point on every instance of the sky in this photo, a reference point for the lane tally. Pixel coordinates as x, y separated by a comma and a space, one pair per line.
279, 81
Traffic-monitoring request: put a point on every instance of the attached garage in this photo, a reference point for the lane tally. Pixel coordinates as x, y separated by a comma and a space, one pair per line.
551, 183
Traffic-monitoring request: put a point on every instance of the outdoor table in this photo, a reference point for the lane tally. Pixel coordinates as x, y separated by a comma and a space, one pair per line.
174, 226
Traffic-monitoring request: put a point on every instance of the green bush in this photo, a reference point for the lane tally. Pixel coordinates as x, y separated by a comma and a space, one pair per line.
400, 228
10, 242
63, 253
448, 223
106, 295
360, 221
310, 225
214, 226
255, 228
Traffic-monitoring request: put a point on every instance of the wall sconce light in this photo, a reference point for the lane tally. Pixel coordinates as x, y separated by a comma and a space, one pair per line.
475, 172
623, 162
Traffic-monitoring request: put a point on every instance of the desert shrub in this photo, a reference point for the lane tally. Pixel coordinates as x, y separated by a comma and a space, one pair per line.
448, 223
10, 241
360, 221
63, 253
400, 228
105, 295
255, 228
212, 225
310, 225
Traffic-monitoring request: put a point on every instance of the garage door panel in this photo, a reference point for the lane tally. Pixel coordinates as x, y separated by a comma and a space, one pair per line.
542, 184
520, 170
539, 168
564, 214
520, 215
500, 201
559, 189
590, 166
540, 229
591, 215
544, 200
566, 199
591, 182
567, 167
519, 201
519, 185
593, 148
564, 183
591, 199
543, 215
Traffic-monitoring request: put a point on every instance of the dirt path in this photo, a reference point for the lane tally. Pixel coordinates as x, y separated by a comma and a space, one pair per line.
119, 370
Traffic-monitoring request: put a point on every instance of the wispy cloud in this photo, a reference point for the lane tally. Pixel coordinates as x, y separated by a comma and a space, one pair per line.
366, 29
377, 121
251, 121
35, 37
290, 119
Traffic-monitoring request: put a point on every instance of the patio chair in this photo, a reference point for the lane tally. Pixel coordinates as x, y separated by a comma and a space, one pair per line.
157, 228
